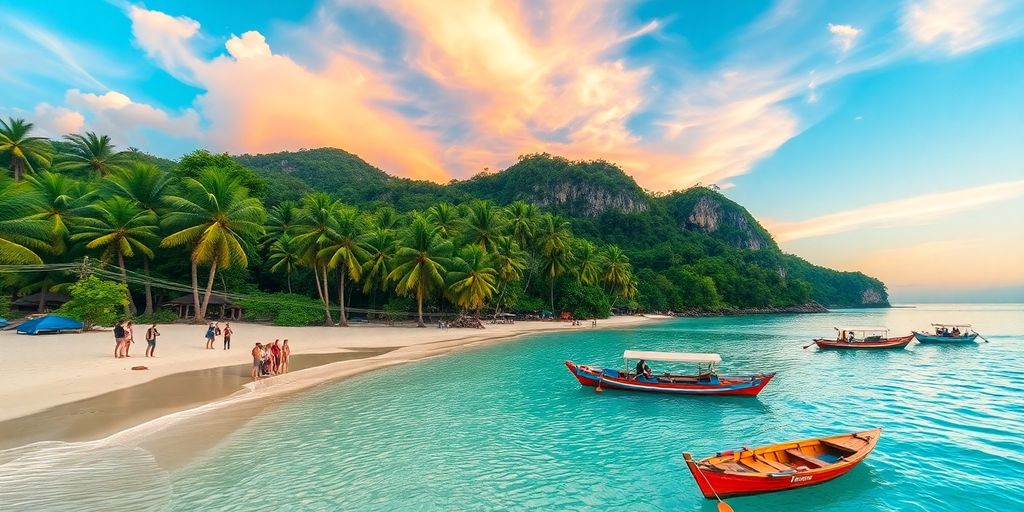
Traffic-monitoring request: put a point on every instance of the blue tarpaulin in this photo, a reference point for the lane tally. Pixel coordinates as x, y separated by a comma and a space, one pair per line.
3, 322
50, 323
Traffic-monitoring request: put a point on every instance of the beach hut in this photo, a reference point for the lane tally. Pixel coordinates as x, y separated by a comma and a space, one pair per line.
185, 307
50, 324
30, 303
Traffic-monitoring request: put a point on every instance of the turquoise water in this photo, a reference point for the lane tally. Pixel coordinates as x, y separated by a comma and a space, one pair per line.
508, 428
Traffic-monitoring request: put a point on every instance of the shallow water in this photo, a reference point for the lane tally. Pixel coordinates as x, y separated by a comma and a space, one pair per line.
508, 428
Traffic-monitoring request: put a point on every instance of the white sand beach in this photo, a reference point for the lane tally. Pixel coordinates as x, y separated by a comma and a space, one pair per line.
45, 371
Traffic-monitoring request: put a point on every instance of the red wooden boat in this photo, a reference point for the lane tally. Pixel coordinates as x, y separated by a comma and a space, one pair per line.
869, 338
705, 382
782, 466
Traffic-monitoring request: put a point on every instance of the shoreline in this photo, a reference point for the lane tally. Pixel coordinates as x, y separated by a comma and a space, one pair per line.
115, 416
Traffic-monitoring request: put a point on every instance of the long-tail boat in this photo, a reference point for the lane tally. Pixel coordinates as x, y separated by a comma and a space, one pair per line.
864, 338
706, 381
948, 333
779, 467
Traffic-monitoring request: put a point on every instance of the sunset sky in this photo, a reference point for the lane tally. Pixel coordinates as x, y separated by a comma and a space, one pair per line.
884, 136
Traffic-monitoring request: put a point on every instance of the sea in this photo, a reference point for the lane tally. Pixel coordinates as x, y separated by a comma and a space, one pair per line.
506, 427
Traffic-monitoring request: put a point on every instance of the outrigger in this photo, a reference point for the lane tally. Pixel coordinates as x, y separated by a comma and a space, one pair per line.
863, 338
948, 333
706, 381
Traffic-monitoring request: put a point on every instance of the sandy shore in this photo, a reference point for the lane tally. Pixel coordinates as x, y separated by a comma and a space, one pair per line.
71, 388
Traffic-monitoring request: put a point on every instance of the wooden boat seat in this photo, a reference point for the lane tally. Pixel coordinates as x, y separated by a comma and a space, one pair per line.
809, 459
847, 446
757, 466
777, 465
731, 466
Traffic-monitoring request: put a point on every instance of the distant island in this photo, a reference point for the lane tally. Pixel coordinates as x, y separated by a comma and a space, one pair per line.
301, 237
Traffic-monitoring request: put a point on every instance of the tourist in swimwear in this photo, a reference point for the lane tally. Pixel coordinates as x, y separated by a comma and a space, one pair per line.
286, 354
118, 338
265, 356
129, 336
227, 336
151, 335
275, 356
211, 334
257, 361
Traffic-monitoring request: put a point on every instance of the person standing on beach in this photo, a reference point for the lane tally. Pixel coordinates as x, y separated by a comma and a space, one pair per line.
151, 335
286, 354
211, 333
129, 337
227, 336
257, 361
275, 356
118, 338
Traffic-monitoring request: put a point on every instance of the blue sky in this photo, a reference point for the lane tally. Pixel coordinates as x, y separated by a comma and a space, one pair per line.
883, 136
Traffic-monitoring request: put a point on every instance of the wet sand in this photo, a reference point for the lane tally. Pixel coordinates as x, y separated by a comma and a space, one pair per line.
106, 414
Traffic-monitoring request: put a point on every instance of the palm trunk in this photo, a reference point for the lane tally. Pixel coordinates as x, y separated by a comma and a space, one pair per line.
149, 287
552, 296
288, 276
327, 296
320, 292
209, 288
195, 292
42, 296
130, 307
419, 309
497, 306
343, 319
17, 167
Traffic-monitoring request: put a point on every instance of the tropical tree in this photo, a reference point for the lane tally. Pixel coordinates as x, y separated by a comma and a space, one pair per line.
587, 262
421, 262
347, 254
510, 262
617, 274
93, 153
483, 225
281, 220
472, 279
553, 244
215, 219
120, 229
380, 248
387, 218
316, 228
64, 202
20, 152
149, 187
446, 217
22, 237
522, 222
284, 256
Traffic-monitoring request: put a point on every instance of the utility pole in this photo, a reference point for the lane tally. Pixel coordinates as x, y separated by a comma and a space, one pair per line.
84, 272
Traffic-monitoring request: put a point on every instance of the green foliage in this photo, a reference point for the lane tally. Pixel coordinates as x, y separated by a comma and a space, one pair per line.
160, 316
584, 301
285, 309
195, 163
95, 302
5, 305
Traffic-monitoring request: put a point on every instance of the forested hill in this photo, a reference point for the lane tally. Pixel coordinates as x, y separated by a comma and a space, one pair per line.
691, 249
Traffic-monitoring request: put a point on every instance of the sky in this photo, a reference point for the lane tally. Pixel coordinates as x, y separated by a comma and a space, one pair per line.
885, 136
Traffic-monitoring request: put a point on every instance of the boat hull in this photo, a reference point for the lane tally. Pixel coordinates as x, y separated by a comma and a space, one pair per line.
884, 344
728, 385
712, 482
951, 340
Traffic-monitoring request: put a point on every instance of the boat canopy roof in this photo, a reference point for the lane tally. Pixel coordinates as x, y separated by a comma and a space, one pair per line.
951, 325
862, 329
675, 357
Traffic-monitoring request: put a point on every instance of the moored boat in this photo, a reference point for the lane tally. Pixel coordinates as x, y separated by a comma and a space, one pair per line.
864, 338
782, 466
948, 333
706, 381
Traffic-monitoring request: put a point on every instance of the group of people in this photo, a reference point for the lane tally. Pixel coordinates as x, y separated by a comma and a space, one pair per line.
270, 359
214, 330
124, 336
945, 331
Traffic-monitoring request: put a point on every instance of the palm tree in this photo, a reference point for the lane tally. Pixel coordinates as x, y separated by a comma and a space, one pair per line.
215, 219
420, 262
380, 248
472, 279
65, 201
316, 227
281, 220
387, 218
93, 153
284, 256
587, 262
522, 222
149, 187
617, 273
120, 228
510, 262
446, 217
22, 237
484, 225
553, 243
19, 152
347, 254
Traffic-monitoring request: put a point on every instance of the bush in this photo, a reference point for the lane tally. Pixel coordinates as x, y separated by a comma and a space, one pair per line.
5, 305
284, 309
584, 301
160, 316
96, 302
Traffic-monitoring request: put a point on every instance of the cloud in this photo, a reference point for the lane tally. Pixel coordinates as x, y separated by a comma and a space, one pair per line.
165, 39
844, 36
901, 211
251, 45
959, 26
125, 120
54, 122
35, 51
